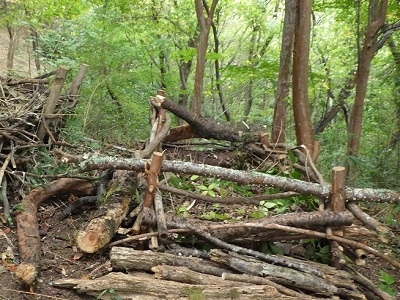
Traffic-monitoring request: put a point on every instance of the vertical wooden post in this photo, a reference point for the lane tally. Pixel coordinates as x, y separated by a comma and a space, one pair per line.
338, 189
51, 102
338, 199
76, 83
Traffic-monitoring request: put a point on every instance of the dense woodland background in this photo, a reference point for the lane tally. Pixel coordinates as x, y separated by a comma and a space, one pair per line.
136, 47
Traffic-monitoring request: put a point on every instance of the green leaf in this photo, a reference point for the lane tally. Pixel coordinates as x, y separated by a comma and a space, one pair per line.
386, 278
276, 250
202, 187
211, 193
325, 250
268, 204
194, 177
214, 55
213, 186
257, 214
292, 156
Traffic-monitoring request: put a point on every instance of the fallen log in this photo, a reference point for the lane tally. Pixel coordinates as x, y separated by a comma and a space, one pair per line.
112, 209
228, 232
27, 222
140, 286
204, 127
123, 258
332, 282
185, 275
96, 162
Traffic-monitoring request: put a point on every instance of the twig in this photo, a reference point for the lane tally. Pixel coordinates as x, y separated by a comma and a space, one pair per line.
3, 180
34, 294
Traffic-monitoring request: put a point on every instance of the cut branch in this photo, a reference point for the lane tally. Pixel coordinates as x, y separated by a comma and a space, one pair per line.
244, 177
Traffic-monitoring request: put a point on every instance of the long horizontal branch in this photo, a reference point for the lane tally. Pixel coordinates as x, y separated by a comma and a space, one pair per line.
95, 162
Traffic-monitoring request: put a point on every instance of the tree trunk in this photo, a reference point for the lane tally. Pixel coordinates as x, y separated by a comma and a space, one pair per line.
204, 24
279, 123
249, 90
395, 137
377, 16
333, 110
35, 46
13, 34
225, 110
301, 106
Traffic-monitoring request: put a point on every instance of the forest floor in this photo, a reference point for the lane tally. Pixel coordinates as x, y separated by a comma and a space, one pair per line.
60, 257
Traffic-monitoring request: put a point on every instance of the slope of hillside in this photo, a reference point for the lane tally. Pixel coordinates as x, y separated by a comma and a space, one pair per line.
23, 62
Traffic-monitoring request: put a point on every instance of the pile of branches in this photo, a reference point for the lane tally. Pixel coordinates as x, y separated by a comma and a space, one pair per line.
30, 112
228, 270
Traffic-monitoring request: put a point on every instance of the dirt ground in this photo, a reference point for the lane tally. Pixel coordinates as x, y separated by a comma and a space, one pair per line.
61, 259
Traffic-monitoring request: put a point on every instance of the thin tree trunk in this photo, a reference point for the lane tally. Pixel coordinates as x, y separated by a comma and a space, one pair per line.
249, 90
205, 24
35, 46
13, 34
377, 16
301, 106
225, 110
279, 123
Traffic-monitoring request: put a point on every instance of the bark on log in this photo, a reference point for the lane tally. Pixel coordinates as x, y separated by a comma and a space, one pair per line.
108, 217
129, 259
244, 177
185, 275
261, 280
370, 222
228, 232
145, 287
27, 223
333, 283
204, 127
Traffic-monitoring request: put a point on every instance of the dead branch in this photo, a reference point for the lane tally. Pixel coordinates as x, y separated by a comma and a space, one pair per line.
335, 283
244, 177
261, 280
27, 223
108, 217
228, 232
145, 287
123, 258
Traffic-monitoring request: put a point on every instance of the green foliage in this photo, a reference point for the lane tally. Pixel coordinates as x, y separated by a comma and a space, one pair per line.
270, 248
113, 294
317, 250
127, 44
214, 214
387, 281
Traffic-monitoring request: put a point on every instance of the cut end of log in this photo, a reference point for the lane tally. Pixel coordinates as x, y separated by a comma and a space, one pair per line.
27, 272
89, 242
